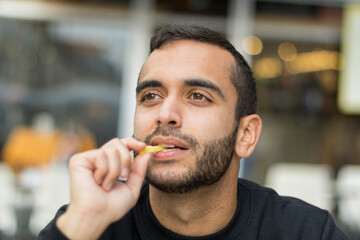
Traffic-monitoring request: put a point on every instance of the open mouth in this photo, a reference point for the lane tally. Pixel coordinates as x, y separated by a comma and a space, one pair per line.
161, 148
168, 148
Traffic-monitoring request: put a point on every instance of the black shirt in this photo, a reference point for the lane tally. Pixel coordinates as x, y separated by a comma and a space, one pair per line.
260, 214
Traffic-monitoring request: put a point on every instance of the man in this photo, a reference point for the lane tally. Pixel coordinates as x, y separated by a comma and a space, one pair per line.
195, 96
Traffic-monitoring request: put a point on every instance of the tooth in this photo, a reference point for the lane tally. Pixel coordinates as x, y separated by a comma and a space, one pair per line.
167, 150
171, 149
167, 146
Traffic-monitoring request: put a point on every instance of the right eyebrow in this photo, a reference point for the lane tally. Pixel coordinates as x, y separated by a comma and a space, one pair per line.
147, 84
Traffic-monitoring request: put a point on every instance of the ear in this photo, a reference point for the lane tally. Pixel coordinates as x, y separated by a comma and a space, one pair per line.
248, 134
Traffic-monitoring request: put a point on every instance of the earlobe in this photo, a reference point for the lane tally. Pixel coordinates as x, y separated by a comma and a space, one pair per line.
248, 134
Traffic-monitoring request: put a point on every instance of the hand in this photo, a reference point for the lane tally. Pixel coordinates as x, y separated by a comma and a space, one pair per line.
97, 198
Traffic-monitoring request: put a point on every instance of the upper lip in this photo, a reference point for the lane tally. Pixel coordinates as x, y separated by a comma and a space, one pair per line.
168, 141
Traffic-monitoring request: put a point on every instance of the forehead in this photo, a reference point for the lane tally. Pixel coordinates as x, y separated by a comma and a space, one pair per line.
187, 59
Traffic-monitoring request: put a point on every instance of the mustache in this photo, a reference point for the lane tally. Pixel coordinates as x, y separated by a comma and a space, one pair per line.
173, 132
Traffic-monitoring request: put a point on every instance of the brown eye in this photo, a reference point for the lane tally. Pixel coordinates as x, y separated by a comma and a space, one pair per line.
198, 97
149, 97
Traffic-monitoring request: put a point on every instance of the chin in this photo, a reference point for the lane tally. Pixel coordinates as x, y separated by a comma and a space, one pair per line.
174, 181
170, 180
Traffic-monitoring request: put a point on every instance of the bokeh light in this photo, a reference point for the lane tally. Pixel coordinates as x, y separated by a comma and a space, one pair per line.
252, 45
287, 51
28, 60
48, 54
269, 67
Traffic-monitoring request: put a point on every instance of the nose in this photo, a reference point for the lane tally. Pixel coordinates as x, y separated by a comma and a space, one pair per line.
169, 113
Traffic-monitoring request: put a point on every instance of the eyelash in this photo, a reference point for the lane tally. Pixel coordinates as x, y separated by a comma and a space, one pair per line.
191, 96
143, 98
199, 93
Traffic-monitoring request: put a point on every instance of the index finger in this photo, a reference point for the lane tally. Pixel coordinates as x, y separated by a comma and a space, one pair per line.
129, 143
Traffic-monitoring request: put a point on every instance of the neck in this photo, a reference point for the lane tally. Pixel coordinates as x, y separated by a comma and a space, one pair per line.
200, 212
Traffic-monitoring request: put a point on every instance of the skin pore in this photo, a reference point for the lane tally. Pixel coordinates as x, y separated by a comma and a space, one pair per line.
185, 97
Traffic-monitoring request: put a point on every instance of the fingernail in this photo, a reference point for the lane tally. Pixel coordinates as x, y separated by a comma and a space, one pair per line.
109, 186
124, 172
99, 181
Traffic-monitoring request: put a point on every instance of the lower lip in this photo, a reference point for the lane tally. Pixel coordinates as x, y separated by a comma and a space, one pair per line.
170, 154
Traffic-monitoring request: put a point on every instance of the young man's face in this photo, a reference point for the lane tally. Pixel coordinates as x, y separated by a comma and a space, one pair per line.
185, 99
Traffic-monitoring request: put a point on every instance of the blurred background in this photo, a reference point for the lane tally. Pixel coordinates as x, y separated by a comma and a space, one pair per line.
68, 73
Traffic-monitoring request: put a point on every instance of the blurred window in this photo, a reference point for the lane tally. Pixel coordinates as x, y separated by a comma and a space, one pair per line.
71, 70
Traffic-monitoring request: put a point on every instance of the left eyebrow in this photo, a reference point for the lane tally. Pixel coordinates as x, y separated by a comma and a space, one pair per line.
204, 84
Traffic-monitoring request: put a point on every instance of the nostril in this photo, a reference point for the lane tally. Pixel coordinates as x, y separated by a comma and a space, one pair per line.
172, 122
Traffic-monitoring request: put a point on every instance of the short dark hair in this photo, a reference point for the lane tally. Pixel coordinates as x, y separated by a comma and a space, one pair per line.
241, 75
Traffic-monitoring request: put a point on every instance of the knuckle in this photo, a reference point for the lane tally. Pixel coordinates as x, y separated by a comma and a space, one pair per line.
126, 140
115, 140
74, 159
111, 142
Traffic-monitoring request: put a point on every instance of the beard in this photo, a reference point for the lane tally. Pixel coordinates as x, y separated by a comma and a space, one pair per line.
211, 162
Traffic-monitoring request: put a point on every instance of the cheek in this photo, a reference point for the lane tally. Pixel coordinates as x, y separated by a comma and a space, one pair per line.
210, 125
142, 122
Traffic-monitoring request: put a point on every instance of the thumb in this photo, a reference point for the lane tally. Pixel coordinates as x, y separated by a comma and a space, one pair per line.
137, 173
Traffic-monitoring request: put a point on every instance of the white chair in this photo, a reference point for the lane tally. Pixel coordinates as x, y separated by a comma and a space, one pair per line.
348, 189
8, 221
53, 192
312, 183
